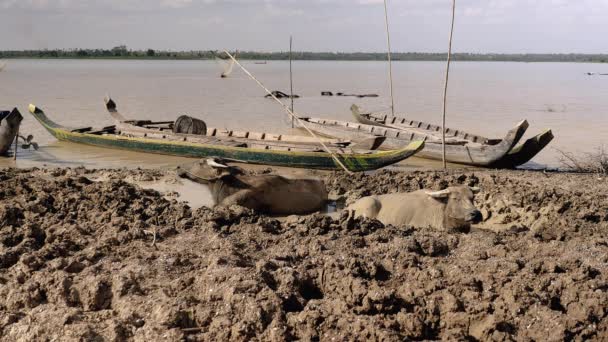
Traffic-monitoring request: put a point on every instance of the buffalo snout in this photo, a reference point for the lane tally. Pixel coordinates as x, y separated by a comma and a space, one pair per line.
474, 216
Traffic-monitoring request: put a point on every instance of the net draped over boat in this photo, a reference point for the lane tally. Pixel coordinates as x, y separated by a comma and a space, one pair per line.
188, 125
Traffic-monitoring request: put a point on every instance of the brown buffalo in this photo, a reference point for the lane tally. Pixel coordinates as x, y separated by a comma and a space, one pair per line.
269, 194
449, 209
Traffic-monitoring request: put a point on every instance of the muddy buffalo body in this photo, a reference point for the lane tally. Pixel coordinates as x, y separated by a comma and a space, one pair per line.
451, 209
269, 194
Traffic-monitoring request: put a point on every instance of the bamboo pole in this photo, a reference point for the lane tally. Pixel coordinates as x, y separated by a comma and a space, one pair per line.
291, 113
445, 89
390, 62
291, 76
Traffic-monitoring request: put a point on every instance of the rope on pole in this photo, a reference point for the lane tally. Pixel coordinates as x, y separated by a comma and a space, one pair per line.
390, 62
445, 89
291, 113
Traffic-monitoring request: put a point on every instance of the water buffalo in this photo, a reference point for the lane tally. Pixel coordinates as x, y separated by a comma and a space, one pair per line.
9, 127
269, 194
449, 209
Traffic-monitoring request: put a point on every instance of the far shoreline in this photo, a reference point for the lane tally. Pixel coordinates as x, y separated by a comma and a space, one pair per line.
282, 60
122, 53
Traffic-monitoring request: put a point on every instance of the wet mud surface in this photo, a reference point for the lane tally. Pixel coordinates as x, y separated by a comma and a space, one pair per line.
85, 255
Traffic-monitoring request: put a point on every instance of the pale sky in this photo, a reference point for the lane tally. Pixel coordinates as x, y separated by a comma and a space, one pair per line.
502, 26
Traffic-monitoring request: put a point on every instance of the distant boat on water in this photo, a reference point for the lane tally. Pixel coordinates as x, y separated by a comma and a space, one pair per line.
263, 62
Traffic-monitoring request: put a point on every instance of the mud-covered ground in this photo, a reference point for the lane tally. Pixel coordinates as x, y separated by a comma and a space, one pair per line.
86, 256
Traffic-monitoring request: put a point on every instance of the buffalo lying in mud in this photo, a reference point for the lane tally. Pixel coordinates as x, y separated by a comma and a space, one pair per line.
269, 194
451, 209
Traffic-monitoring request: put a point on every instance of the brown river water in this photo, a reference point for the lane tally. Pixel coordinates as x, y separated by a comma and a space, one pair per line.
487, 98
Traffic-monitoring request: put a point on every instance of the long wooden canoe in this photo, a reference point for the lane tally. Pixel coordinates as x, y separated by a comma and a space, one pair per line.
9, 127
375, 119
256, 138
187, 145
518, 155
457, 150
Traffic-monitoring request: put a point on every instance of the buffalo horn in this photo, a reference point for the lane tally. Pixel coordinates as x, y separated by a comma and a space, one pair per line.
213, 163
439, 194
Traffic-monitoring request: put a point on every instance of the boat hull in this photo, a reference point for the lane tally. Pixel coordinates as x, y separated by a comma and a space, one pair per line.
355, 162
518, 155
523, 153
475, 155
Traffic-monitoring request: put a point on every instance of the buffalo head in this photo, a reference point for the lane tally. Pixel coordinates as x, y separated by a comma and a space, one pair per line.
208, 171
460, 211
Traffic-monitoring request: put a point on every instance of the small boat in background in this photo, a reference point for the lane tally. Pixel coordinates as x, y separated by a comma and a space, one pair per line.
9, 128
517, 156
156, 137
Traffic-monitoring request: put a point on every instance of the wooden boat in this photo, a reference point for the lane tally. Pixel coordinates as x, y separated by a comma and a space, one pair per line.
517, 156
458, 151
197, 146
524, 152
147, 126
9, 128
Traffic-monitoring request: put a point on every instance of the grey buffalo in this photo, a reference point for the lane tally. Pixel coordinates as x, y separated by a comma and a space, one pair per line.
449, 209
269, 194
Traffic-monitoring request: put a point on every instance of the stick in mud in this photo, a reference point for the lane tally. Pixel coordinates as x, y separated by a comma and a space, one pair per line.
445, 89
390, 62
16, 144
291, 76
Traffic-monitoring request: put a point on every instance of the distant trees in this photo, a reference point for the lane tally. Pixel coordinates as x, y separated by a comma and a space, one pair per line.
122, 52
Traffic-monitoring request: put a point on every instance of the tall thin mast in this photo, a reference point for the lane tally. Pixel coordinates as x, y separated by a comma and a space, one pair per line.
445, 89
390, 62
291, 76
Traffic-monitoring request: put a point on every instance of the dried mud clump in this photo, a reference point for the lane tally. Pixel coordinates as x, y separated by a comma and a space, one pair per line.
87, 256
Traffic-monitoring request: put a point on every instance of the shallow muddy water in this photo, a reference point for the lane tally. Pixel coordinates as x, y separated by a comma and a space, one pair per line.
485, 98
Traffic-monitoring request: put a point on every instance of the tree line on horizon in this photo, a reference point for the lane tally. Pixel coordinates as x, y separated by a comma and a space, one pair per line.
122, 52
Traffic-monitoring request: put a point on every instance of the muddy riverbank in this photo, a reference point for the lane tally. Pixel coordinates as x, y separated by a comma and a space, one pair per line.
94, 255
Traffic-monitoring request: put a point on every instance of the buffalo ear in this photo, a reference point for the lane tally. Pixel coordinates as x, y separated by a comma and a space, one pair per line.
475, 190
223, 173
443, 194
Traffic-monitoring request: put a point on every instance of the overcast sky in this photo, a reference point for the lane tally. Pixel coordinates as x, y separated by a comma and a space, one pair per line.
504, 26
